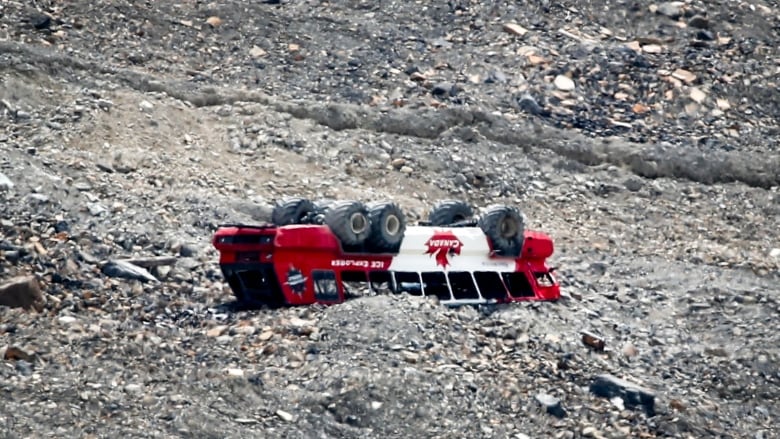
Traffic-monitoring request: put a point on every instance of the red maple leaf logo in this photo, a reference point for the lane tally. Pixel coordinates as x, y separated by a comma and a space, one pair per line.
442, 245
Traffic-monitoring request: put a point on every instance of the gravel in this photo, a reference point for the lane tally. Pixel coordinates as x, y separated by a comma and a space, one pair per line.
641, 136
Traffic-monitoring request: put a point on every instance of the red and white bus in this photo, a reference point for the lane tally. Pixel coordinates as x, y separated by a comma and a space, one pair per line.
301, 264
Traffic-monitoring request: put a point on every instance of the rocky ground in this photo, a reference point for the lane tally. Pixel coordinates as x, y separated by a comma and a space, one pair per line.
642, 136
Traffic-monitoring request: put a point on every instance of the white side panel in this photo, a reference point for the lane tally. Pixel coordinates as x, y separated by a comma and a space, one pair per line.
449, 249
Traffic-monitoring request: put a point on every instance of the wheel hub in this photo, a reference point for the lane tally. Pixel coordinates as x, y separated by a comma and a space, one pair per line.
392, 225
508, 228
358, 223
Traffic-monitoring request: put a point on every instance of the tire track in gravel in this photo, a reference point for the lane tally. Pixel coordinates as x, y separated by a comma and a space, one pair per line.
652, 161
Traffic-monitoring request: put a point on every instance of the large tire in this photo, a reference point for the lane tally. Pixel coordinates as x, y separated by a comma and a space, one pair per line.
292, 211
388, 225
324, 203
505, 227
448, 212
348, 220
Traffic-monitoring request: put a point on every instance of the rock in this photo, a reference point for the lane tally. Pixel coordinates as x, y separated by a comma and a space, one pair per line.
632, 395
126, 270
564, 83
684, 75
774, 253
671, 9
188, 250
284, 416
705, 35
515, 29
216, 331
133, 388
22, 292
444, 89
629, 350
528, 104
40, 21
398, 163
411, 357
594, 341
214, 21
15, 353
591, 431
257, 52
496, 76
235, 372
699, 21
82, 186
551, 404
67, 320
633, 184
96, 209
146, 106
105, 104
38, 198
24, 116
697, 95
5, 183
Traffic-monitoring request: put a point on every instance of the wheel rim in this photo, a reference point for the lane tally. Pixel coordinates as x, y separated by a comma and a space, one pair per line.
358, 223
392, 225
508, 228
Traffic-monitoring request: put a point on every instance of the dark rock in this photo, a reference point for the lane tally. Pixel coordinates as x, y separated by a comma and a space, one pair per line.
14, 353
40, 21
699, 22
609, 386
444, 89
188, 250
594, 341
61, 226
22, 292
24, 367
633, 184
412, 69
705, 35
528, 104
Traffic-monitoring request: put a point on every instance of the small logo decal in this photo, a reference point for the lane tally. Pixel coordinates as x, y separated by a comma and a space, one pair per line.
442, 245
296, 280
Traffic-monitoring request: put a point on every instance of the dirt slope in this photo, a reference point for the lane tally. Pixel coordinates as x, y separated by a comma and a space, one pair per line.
643, 137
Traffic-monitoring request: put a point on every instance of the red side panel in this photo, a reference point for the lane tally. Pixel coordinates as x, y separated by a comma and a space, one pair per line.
537, 245
307, 238
306, 252
244, 244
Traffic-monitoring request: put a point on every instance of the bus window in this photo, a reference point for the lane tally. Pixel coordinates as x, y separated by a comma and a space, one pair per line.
544, 279
354, 283
379, 280
325, 287
490, 284
463, 285
518, 284
408, 282
435, 284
